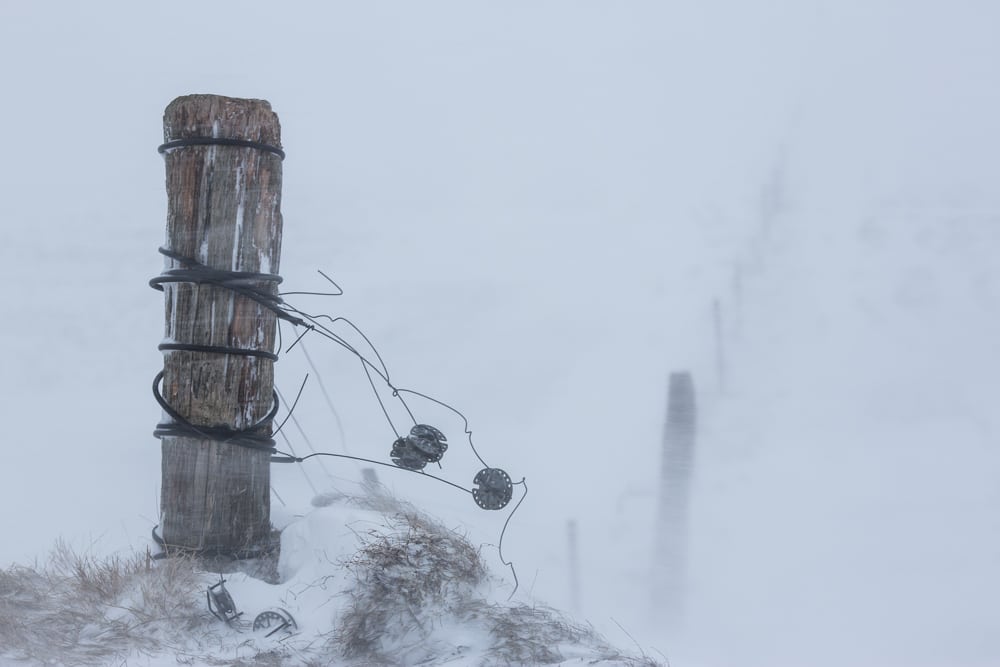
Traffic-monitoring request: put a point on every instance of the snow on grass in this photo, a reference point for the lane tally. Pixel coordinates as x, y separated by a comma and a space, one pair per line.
369, 580
82, 610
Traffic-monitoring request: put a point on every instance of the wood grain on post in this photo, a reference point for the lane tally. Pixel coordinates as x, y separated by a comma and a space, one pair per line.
224, 211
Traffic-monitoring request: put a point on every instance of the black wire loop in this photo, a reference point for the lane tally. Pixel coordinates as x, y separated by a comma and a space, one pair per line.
216, 349
259, 287
217, 141
251, 437
244, 283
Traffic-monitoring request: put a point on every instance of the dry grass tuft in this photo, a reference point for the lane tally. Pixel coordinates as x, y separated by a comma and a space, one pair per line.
538, 635
413, 584
402, 579
83, 610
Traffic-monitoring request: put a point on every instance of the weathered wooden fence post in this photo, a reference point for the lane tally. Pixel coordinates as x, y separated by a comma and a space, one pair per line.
223, 178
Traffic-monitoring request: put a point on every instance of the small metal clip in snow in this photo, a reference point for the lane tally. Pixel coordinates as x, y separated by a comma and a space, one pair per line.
275, 620
220, 602
221, 605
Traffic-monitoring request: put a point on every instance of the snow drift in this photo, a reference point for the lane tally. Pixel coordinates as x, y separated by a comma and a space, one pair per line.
370, 579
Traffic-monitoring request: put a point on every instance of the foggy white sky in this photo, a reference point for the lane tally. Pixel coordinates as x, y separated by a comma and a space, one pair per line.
530, 206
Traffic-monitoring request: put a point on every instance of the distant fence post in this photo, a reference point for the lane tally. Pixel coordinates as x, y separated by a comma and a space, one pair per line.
573, 547
369, 479
737, 289
223, 212
677, 465
720, 345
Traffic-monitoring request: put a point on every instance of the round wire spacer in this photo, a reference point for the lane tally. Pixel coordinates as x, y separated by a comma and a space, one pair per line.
429, 441
405, 455
494, 489
425, 444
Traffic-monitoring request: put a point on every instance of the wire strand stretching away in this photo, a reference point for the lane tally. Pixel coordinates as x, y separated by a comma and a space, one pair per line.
381, 370
291, 458
503, 533
305, 437
302, 469
287, 458
329, 401
323, 330
465, 420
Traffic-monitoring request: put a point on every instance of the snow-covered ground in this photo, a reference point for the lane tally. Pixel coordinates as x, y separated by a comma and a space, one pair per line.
843, 490
531, 211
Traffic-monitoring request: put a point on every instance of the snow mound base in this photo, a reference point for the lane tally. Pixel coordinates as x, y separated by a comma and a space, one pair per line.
419, 593
369, 580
